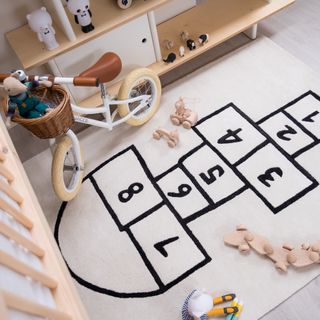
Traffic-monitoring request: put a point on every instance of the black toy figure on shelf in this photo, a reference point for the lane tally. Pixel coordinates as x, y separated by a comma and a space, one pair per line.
191, 44
170, 58
203, 38
82, 14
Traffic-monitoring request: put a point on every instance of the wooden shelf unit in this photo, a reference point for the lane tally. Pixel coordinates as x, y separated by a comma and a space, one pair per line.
106, 16
221, 19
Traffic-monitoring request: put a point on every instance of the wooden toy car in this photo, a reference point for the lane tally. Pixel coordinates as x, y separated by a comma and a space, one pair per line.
171, 136
183, 115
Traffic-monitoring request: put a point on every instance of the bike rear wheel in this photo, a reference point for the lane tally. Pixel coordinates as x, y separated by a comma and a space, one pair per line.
124, 4
66, 172
141, 81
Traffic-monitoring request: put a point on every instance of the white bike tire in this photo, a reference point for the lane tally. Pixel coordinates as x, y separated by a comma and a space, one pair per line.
127, 86
63, 191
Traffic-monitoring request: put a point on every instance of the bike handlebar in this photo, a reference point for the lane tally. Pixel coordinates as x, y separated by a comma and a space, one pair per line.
76, 81
3, 76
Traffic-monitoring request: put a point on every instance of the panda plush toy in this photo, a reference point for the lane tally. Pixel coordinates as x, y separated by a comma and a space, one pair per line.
82, 14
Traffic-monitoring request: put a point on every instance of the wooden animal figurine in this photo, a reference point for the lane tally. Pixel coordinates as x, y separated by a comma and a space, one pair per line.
184, 36
203, 38
183, 115
170, 58
282, 256
20, 97
171, 136
181, 51
82, 14
168, 44
191, 44
303, 257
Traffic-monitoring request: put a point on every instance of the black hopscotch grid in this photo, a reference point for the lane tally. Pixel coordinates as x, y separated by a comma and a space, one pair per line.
313, 182
162, 287
211, 205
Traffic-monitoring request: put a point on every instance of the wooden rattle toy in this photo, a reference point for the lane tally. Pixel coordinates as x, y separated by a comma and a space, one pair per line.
183, 115
281, 256
171, 136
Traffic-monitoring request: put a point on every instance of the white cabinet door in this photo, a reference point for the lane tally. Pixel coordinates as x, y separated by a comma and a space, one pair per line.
173, 8
131, 41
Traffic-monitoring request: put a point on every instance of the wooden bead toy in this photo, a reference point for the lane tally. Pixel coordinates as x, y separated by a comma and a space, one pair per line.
171, 136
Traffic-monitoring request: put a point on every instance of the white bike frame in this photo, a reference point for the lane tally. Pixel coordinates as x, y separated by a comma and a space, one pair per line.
107, 101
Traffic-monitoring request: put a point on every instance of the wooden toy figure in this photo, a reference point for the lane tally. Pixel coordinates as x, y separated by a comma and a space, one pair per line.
171, 136
187, 117
40, 22
19, 97
82, 14
203, 38
170, 58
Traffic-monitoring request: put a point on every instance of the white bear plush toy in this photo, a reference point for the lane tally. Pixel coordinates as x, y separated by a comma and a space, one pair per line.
82, 14
40, 22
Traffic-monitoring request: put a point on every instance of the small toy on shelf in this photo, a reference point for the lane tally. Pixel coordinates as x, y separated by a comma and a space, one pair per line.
40, 22
82, 14
168, 44
191, 44
199, 305
282, 256
124, 4
203, 38
171, 136
20, 97
181, 51
170, 58
184, 35
183, 115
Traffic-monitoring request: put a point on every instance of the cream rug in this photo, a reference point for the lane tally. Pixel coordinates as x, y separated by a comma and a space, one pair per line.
148, 225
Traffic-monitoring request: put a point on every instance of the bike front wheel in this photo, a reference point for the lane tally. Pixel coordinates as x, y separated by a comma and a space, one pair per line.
66, 172
139, 82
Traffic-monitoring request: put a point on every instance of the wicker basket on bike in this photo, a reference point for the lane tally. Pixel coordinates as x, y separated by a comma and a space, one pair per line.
54, 123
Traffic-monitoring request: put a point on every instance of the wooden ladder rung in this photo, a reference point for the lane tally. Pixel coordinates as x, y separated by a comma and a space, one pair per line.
9, 191
16, 302
10, 233
20, 217
3, 309
24, 269
6, 173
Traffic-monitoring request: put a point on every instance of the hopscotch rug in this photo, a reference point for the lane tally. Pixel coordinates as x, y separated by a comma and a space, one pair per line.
148, 225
